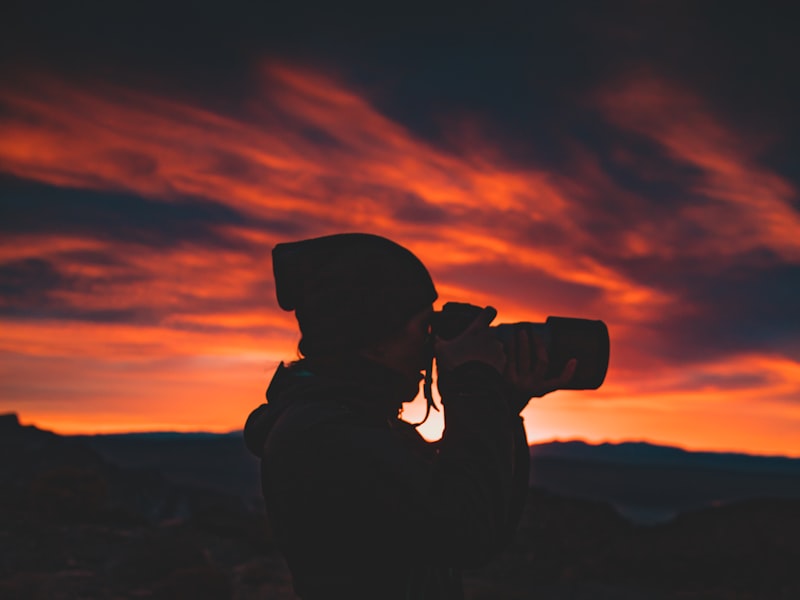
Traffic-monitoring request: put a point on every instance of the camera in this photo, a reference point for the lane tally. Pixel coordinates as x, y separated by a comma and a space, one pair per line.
564, 338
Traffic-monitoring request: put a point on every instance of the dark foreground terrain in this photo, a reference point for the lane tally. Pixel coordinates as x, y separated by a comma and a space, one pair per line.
74, 524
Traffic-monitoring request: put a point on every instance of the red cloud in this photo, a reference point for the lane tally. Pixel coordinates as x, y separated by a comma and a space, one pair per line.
739, 204
314, 155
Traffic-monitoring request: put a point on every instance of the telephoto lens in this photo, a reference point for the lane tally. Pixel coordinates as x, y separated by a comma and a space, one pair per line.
564, 338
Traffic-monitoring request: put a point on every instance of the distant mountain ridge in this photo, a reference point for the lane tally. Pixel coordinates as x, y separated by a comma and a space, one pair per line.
165, 517
630, 452
622, 453
161, 435
650, 484
645, 453
645, 483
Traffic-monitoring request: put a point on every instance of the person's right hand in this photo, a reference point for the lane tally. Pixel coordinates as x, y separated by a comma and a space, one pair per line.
475, 343
528, 377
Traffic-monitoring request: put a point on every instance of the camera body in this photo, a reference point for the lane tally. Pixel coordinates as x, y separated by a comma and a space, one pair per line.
564, 338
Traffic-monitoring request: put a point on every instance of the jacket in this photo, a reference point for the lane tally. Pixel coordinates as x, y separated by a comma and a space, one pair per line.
361, 505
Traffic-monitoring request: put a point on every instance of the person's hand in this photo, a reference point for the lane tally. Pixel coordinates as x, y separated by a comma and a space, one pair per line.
475, 343
528, 377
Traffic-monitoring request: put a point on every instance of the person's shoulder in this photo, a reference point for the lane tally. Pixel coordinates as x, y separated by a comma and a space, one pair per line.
309, 414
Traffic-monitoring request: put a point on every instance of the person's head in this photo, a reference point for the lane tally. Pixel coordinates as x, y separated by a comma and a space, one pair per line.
356, 294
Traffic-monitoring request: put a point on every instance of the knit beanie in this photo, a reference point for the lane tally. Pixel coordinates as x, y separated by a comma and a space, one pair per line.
349, 290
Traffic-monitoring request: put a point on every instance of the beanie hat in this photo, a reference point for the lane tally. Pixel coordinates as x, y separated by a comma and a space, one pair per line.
349, 290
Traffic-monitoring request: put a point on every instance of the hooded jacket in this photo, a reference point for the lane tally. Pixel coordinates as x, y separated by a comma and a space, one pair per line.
361, 505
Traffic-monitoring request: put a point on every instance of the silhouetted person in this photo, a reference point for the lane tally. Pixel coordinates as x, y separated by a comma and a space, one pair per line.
361, 505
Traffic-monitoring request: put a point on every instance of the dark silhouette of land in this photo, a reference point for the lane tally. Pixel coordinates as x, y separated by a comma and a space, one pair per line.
179, 516
645, 483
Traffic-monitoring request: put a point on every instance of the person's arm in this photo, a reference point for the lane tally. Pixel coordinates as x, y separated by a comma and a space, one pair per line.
478, 471
342, 480
472, 410
367, 485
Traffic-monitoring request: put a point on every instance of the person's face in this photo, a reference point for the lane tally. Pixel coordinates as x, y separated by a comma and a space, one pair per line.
407, 352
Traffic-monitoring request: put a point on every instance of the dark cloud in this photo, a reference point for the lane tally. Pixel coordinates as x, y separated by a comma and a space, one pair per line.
125, 316
523, 285
410, 208
633, 177
236, 167
730, 382
525, 73
731, 310
87, 284
37, 288
263, 332
36, 208
750, 309
131, 163
31, 288
526, 67
24, 283
551, 235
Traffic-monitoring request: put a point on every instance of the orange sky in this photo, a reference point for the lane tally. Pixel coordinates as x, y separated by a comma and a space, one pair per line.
170, 322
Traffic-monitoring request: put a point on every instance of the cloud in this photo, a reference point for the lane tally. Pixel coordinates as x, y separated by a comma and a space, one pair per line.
519, 290
740, 310
31, 208
737, 204
373, 174
145, 223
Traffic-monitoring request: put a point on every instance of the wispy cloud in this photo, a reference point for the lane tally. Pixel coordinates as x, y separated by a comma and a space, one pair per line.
736, 204
140, 228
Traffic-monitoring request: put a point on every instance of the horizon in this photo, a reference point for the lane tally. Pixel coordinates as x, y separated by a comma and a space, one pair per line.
634, 164
531, 443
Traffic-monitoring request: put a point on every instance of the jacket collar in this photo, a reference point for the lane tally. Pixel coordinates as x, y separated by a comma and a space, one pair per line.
368, 387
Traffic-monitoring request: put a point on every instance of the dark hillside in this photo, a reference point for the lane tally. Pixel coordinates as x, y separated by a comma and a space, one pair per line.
645, 483
657, 493
569, 548
219, 462
75, 525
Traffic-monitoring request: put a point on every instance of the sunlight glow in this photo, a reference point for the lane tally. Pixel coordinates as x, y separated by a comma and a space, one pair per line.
178, 328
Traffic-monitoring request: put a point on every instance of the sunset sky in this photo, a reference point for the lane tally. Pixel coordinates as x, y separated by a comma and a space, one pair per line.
638, 163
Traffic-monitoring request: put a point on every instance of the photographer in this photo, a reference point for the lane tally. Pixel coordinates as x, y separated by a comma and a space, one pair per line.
361, 505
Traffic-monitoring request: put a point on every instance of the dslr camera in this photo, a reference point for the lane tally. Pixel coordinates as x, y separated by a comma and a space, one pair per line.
564, 338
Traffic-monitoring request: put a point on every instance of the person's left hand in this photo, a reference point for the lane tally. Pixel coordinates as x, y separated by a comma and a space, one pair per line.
528, 377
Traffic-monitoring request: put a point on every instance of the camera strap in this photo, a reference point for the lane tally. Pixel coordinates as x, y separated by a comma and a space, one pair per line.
427, 390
